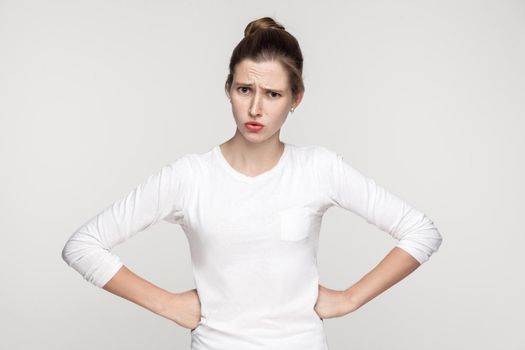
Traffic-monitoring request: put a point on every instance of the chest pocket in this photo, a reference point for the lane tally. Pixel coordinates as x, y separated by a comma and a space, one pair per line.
297, 223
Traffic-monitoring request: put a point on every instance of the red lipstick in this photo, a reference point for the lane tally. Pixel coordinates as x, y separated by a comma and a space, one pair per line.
253, 126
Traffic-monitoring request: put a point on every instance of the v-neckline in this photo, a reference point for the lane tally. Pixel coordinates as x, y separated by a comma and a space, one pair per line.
246, 178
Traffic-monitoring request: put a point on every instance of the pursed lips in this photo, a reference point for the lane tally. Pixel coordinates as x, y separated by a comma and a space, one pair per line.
254, 123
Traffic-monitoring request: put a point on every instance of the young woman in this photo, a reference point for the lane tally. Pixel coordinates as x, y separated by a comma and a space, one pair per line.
251, 209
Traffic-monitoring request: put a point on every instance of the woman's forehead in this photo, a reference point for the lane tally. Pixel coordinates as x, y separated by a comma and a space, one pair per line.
271, 73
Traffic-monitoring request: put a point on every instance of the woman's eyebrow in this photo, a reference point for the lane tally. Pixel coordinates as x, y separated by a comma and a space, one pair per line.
266, 88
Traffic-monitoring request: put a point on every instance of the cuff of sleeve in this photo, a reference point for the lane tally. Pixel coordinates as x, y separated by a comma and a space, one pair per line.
419, 255
105, 271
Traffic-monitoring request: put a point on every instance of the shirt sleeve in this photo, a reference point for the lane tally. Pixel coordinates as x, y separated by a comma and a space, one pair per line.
350, 189
158, 197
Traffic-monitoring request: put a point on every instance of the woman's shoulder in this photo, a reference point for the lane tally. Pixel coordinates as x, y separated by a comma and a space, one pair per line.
318, 152
191, 164
193, 158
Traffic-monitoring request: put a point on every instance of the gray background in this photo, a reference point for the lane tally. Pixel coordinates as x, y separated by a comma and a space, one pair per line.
425, 97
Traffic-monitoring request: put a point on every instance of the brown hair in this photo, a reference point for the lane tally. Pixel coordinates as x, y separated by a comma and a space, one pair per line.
266, 40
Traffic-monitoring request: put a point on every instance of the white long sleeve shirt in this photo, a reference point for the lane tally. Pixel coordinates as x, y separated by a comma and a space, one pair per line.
253, 240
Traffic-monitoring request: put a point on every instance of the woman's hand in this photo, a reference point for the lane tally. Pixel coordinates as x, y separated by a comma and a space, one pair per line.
332, 303
184, 309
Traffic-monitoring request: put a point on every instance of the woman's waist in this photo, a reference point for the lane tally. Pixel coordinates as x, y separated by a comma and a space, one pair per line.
307, 329
261, 296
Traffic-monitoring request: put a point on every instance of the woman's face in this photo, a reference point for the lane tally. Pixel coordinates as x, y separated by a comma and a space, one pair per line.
261, 93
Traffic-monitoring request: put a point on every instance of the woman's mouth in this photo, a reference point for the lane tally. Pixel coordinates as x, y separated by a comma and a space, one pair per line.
253, 126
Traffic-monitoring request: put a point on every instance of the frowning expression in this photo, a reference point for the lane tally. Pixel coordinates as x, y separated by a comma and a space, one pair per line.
260, 92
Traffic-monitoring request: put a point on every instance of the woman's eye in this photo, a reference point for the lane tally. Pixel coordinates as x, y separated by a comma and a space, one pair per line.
244, 89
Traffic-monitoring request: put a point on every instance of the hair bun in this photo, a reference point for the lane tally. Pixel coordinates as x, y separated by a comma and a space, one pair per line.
262, 23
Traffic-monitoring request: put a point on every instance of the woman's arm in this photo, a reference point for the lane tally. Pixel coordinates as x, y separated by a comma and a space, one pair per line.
396, 265
159, 197
417, 236
393, 268
352, 190
182, 308
126, 284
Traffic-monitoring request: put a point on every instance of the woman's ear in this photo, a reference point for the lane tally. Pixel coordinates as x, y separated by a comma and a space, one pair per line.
297, 100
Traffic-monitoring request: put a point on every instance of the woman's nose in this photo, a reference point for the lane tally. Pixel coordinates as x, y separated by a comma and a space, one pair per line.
255, 108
